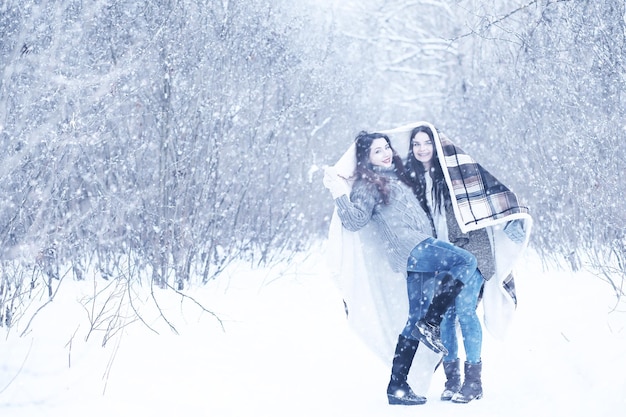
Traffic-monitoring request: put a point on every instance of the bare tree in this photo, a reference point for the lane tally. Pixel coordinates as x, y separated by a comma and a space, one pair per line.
165, 138
532, 88
543, 82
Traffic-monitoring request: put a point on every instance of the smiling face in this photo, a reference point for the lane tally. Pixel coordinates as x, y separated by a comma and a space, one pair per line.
381, 154
423, 149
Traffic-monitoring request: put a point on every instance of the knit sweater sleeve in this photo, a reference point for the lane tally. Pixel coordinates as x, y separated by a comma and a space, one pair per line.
356, 212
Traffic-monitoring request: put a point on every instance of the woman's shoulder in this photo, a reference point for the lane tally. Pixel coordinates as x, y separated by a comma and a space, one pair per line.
362, 186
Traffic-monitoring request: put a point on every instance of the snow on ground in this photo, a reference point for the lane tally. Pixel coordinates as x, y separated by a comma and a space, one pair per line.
286, 350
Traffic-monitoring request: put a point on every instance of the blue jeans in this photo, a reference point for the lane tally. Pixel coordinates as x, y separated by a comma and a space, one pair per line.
421, 288
427, 259
435, 256
464, 309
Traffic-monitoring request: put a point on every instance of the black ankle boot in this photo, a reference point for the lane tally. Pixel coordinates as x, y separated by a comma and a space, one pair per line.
430, 335
472, 388
398, 390
453, 379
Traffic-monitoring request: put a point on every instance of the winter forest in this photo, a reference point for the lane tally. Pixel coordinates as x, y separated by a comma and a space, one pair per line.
157, 142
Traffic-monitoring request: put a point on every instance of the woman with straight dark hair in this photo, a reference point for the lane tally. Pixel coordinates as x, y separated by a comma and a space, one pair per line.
429, 184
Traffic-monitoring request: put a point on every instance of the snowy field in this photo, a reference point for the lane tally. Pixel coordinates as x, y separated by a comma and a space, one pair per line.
286, 350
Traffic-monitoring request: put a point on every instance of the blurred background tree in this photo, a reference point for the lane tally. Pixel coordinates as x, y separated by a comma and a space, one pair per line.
175, 136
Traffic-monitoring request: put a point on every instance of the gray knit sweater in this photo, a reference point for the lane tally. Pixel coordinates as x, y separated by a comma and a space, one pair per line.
475, 242
401, 225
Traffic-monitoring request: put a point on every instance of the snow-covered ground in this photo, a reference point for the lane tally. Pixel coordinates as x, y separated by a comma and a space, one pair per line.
286, 350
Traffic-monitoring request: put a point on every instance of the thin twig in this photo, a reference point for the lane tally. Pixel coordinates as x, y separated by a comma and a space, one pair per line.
19, 370
198, 304
43, 306
172, 328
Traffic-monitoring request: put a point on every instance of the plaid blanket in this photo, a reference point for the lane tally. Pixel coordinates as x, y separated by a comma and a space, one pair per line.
480, 198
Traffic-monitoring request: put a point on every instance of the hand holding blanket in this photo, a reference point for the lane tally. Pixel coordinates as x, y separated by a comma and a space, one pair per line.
335, 184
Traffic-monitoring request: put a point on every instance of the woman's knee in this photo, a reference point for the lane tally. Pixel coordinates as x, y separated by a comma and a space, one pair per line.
468, 317
471, 261
466, 259
467, 301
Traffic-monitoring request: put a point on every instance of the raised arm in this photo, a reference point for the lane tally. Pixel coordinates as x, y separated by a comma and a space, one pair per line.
354, 211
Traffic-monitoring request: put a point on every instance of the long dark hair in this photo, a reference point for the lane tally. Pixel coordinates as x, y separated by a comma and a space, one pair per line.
417, 171
365, 170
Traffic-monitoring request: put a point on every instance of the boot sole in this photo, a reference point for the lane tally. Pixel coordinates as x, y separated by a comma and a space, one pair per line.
403, 401
446, 397
465, 401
